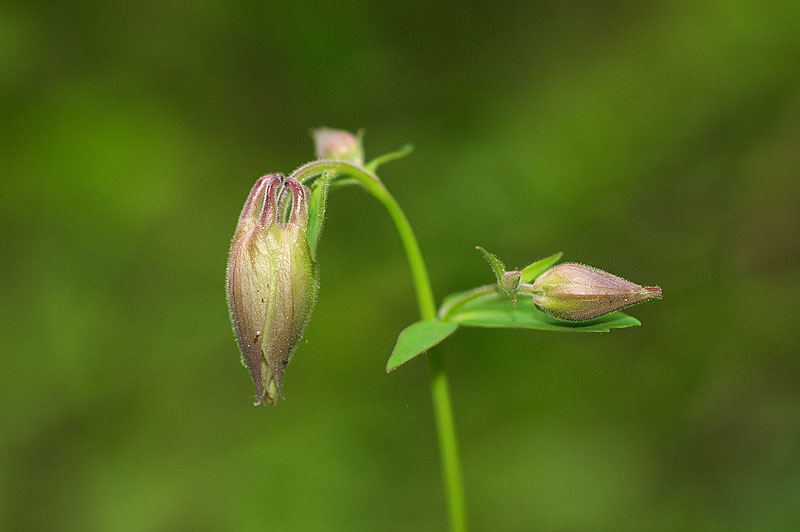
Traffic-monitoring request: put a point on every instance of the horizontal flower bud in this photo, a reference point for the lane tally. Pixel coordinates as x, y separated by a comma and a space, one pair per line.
576, 292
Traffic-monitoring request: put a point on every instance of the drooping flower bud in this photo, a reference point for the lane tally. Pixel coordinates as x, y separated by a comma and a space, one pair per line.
271, 280
338, 145
576, 292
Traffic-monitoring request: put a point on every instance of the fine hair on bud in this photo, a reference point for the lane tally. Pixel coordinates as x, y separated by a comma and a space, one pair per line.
576, 292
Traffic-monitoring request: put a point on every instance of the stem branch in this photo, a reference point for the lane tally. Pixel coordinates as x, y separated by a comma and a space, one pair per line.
440, 388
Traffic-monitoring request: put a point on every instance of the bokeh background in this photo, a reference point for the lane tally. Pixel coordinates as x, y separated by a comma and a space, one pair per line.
660, 142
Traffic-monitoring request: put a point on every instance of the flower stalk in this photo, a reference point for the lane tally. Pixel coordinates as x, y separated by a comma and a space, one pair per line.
440, 386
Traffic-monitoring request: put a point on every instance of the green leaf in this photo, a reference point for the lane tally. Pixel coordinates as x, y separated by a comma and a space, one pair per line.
497, 310
316, 213
497, 265
418, 338
532, 271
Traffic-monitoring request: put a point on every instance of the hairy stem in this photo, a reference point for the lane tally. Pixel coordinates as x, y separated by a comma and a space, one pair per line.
440, 388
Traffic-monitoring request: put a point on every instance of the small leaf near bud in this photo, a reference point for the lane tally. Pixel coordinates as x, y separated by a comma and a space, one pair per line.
535, 269
508, 282
495, 264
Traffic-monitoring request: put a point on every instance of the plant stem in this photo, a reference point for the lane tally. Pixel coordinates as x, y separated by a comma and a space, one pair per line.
419, 273
448, 443
440, 388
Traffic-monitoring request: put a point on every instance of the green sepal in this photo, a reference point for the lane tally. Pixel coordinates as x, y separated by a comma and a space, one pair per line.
534, 270
316, 213
496, 264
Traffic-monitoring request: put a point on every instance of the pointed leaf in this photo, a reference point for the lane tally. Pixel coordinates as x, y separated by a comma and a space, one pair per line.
497, 310
418, 338
316, 213
497, 265
532, 271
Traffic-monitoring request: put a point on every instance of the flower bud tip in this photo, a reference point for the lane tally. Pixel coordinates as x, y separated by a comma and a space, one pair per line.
654, 292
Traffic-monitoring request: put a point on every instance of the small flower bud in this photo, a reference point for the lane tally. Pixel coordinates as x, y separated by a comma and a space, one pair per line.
576, 292
271, 280
510, 281
338, 145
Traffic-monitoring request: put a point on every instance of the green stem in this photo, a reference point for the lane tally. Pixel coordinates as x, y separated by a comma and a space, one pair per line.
448, 443
440, 388
419, 273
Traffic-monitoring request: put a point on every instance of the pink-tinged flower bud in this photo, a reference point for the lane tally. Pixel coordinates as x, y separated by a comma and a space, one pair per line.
338, 145
576, 292
271, 280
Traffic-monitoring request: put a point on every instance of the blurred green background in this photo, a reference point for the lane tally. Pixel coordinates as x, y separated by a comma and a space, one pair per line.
660, 142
